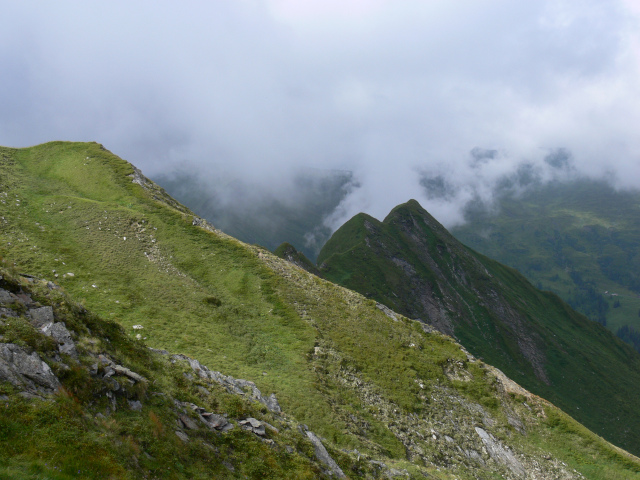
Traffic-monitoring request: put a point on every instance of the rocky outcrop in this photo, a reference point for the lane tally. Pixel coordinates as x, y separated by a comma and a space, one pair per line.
41, 316
233, 385
26, 371
58, 331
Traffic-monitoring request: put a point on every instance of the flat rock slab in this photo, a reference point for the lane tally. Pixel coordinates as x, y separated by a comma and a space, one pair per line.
323, 455
499, 453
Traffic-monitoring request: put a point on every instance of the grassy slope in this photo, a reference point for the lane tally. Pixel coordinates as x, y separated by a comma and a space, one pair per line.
591, 374
76, 440
68, 207
560, 230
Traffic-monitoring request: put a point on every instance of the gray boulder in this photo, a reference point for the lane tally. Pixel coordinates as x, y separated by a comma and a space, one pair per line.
6, 297
217, 422
26, 371
253, 425
58, 331
188, 422
41, 316
323, 456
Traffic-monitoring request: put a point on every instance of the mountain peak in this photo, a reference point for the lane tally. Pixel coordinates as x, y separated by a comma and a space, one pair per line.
411, 264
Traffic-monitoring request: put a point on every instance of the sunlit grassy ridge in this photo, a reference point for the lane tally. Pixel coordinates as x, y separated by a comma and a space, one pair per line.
337, 362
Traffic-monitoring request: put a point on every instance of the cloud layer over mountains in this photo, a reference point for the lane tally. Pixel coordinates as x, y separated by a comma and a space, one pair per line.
407, 95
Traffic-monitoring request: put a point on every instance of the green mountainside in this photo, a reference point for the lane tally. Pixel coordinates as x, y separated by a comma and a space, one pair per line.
411, 264
257, 216
97, 263
579, 239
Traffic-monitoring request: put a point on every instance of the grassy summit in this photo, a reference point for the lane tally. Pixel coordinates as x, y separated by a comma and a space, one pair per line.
376, 387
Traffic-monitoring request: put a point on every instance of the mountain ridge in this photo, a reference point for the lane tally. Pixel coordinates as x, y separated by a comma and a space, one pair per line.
373, 386
408, 263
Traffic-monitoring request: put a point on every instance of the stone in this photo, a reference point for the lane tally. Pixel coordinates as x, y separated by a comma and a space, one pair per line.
120, 370
218, 422
203, 390
271, 427
26, 371
182, 436
473, 455
41, 316
58, 331
25, 298
271, 402
323, 456
236, 386
135, 405
387, 311
254, 425
6, 297
188, 422
7, 312
517, 424
499, 453
112, 384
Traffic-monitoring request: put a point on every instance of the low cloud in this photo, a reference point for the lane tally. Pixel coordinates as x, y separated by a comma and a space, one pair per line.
399, 93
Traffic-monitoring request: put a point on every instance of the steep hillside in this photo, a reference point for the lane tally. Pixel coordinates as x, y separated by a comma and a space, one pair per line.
413, 265
579, 239
349, 385
102, 405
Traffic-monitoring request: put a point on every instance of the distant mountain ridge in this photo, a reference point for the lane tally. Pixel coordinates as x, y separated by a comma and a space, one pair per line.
579, 239
410, 263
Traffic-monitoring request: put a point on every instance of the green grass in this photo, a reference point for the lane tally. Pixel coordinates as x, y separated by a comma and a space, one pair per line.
253, 330
577, 239
493, 311
325, 351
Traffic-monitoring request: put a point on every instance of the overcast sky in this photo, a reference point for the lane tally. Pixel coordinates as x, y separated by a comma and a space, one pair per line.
389, 89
